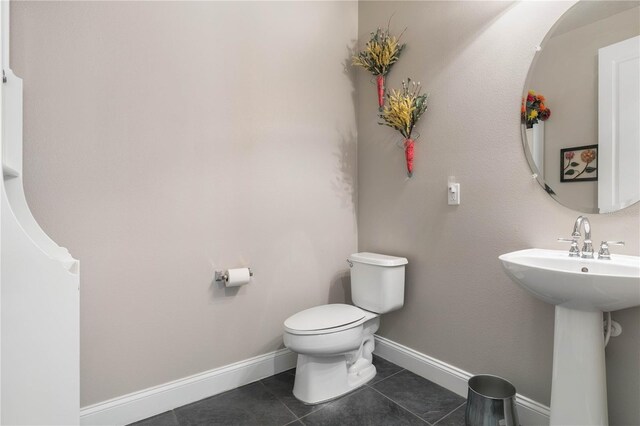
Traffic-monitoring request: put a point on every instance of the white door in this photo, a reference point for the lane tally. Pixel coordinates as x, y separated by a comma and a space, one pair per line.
619, 125
3, 56
39, 296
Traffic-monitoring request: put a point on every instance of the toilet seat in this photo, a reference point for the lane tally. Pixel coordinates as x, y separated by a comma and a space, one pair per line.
325, 319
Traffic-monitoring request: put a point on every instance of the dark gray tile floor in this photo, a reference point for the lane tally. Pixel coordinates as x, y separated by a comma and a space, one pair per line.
394, 397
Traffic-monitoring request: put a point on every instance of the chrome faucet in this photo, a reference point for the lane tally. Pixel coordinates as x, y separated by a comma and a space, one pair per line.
587, 246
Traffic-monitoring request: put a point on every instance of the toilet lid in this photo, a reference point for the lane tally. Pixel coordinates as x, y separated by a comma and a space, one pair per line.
324, 317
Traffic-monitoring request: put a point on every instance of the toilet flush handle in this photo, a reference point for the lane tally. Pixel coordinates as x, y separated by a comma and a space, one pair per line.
350, 263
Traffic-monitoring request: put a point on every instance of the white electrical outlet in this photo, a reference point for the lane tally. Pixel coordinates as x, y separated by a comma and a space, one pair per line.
453, 194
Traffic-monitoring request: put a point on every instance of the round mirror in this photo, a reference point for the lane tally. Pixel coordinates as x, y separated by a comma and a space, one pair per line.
581, 107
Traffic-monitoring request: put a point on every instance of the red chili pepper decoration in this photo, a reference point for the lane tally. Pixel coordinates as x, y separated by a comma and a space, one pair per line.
408, 152
380, 82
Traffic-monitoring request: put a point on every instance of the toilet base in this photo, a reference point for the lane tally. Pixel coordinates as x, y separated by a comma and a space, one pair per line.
321, 379
323, 375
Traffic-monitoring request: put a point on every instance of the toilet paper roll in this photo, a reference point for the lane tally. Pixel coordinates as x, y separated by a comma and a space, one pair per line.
237, 277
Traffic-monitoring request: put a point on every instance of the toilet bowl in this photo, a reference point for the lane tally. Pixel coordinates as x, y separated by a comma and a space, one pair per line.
335, 342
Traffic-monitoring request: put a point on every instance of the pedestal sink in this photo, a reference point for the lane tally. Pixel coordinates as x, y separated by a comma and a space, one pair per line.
581, 290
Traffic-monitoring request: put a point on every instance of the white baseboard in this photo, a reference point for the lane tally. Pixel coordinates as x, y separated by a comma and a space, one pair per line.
158, 399
530, 412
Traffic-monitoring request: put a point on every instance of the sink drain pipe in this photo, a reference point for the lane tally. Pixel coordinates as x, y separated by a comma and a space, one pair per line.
607, 334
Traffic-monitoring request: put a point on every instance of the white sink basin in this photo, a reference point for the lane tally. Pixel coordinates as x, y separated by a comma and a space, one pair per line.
580, 289
576, 283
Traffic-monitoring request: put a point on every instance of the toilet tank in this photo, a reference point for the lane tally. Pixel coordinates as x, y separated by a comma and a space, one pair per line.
377, 281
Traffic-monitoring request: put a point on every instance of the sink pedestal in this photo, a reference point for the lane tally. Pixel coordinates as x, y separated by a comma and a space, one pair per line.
579, 387
580, 289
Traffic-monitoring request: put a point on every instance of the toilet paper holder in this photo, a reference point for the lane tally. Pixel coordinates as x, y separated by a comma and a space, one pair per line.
224, 276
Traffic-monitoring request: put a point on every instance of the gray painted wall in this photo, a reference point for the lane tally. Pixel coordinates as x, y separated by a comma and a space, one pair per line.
164, 140
473, 57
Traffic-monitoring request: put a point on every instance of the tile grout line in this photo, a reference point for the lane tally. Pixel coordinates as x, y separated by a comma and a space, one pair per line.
369, 384
351, 393
312, 412
280, 401
327, 404
391, 399
301, 418
175, 416
452, 411
401, 406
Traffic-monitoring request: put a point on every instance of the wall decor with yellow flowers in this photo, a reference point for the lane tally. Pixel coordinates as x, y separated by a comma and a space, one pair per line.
405, 106
380, 53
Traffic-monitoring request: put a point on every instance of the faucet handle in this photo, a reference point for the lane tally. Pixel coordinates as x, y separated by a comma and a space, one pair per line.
604, 249
574, 251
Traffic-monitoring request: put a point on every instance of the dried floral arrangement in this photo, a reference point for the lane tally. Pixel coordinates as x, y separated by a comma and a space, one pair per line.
380, 53
405, 108
533, 109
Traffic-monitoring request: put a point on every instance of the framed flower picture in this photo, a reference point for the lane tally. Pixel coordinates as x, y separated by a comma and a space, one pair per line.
579, 164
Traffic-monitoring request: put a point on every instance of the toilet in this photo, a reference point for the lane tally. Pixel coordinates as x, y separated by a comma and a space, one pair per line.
335, 342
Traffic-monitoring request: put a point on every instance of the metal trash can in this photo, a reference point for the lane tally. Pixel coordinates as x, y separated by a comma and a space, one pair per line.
491, 401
